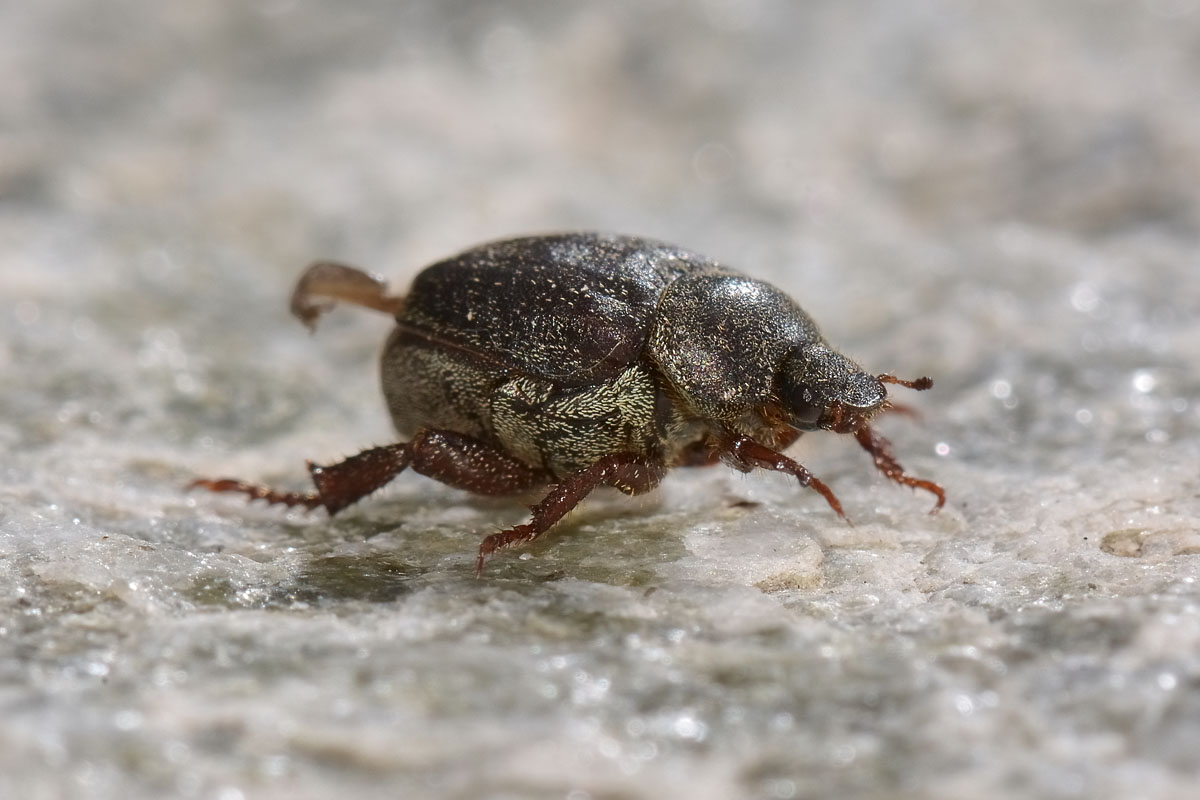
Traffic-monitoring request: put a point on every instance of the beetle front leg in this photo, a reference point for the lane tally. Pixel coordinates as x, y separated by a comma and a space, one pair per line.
630, 473
745, 454
881, 451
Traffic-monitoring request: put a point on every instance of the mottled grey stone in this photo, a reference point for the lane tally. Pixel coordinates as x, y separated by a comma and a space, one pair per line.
1002, 196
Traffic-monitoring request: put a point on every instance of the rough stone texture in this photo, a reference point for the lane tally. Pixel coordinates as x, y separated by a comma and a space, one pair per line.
1002, 196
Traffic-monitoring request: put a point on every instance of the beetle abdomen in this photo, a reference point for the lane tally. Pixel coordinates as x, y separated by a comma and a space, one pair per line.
427, 386
560, 429
565, 430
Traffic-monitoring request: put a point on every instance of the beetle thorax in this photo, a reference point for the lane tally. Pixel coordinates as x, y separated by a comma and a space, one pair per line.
719, 339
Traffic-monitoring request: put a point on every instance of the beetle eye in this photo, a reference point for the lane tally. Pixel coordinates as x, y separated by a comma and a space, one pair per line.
802, 396
803, 406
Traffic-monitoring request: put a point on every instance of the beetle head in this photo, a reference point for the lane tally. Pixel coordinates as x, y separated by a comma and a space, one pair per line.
821, 389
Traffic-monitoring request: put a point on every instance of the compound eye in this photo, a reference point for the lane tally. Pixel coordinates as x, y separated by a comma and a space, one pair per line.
803, 406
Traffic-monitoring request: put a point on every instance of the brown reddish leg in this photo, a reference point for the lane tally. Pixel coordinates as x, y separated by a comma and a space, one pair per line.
338, 485
326, 281
881, 450
254, 491
629, 473
707, 452
742, 452
453, 459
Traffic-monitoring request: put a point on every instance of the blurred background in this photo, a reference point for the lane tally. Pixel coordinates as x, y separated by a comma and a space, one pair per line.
1000, 196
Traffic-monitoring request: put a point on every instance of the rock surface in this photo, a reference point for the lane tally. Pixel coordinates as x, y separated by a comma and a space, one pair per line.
1001, 196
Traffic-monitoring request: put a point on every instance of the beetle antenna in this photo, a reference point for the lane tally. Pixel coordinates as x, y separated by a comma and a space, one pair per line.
326, 282
920, 384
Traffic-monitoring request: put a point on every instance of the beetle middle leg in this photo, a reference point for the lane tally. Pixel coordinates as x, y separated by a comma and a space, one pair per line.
630, 473
742, 452
881, 451
451, 458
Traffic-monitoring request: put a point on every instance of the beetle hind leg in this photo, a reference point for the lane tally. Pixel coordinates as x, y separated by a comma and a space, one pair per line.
337, 485
308, 500
451, 458
630, 473
881, 451
472, 465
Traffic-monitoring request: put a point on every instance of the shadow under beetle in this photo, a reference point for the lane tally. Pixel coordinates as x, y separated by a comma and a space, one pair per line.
579, 360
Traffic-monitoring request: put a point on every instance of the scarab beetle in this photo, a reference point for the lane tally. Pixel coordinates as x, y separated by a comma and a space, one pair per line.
579, 360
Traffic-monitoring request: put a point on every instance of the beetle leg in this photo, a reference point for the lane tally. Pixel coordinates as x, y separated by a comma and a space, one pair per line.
338, 485
309, 500
465, 463
745, 454
630, 473
327, 281
349, 481
881, 450
453, 459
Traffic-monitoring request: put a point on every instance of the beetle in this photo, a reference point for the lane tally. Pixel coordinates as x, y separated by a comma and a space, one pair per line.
578, 360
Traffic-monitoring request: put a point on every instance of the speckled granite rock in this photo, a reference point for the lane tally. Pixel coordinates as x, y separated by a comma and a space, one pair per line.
1001, 196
